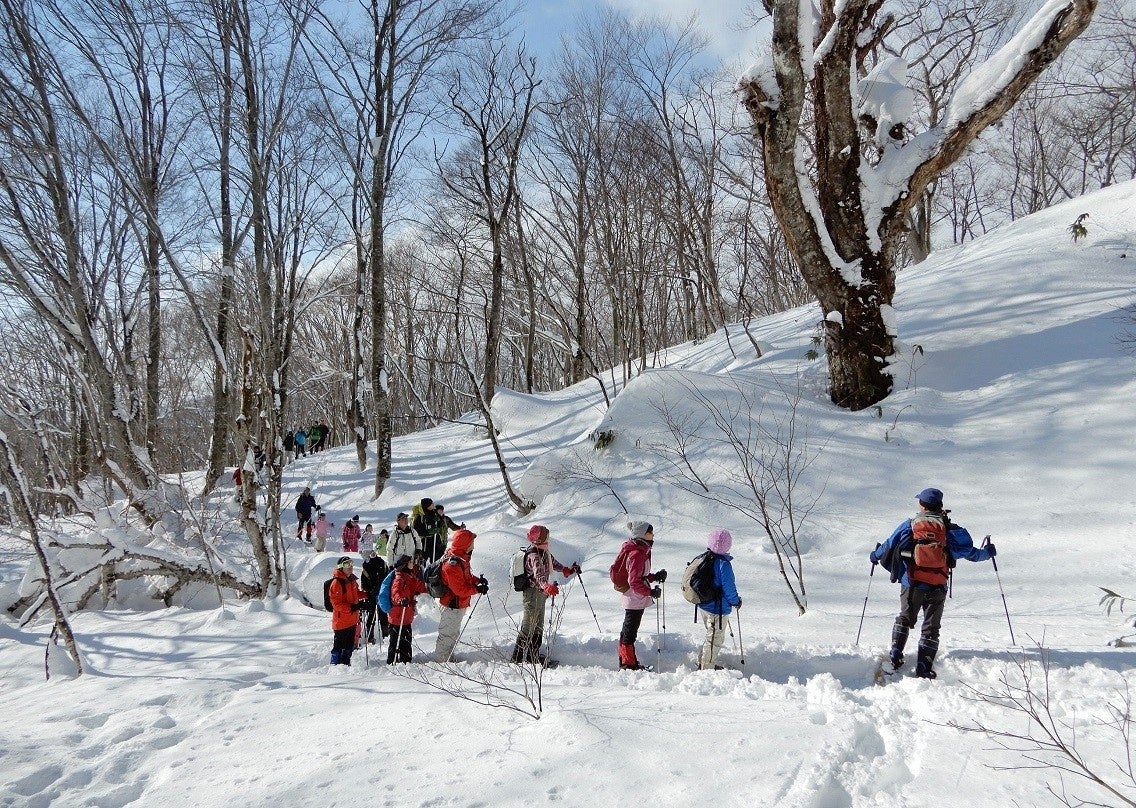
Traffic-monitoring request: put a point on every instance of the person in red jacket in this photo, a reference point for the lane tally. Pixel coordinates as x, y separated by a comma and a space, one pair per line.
405, 587
346, 600
461, 585
641, 594
351, 535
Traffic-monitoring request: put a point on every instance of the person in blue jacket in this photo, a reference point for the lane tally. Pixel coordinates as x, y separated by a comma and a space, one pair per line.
920, 554
715, 613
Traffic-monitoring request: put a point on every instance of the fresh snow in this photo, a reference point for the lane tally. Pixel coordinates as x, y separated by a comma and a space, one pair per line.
1014, 395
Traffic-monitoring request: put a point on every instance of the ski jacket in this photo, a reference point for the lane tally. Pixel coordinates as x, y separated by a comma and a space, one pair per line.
959, 544
374, 571
723, 578
350, 536
305, 505
539, 565
300, 438
639, 577
405, 586
344, 593
403, 543
459, 579
428, 523
323, 527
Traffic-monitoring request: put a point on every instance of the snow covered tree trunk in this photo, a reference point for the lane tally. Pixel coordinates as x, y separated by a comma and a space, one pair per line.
845, 215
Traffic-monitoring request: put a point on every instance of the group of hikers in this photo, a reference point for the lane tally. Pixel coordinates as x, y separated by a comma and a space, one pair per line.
301, 442
920, 555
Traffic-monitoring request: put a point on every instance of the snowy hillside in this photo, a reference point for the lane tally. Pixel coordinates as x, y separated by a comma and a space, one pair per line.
1014, 394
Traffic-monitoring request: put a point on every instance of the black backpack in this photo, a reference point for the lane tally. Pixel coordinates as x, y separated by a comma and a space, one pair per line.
432, 575
698, 580
327, 593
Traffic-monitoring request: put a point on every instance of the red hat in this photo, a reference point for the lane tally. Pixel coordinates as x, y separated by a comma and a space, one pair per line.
462, 540
538, 534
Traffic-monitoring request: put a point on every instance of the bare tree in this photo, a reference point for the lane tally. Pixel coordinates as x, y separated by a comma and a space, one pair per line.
846, 215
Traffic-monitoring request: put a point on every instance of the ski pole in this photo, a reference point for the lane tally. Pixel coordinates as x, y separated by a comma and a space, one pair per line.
663, 598
580, 578
1006, 608
658, 640
467, 619
865, 609
551, 631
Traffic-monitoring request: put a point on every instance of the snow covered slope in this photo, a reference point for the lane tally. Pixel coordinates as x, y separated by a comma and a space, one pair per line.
1014, 395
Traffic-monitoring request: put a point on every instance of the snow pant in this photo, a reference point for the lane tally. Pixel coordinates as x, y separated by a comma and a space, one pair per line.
400, 640
321, 543
304, 523
531, 635
632, 618
342, 644
375, 615
449, 627
912, 600
715, 636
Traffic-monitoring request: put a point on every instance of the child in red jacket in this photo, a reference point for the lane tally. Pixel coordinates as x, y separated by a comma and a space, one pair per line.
405, 587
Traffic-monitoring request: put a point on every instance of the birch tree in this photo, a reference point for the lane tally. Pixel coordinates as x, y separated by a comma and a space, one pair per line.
844, 170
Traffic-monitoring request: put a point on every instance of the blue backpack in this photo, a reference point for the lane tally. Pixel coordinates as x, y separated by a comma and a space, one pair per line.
385, 593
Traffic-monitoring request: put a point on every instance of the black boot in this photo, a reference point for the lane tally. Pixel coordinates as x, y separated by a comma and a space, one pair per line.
924, 663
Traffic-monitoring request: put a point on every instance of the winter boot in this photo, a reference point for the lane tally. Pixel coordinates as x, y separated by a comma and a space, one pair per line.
334, 657
924, 662
627, 658
896, 657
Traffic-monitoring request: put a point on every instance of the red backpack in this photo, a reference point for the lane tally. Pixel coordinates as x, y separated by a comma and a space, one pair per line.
931, 562
618, 570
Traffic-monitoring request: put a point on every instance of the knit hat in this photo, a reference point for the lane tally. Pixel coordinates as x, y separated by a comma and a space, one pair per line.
426, 502
462, 540
719, 541
355, 518
932, 498
538, 534
639, 530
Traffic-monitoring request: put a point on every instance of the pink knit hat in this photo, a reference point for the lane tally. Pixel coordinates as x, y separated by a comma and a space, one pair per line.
719, 541
538, 534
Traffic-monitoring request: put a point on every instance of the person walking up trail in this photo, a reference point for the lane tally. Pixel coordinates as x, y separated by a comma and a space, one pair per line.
305, 505
920, 554
716, 613
405, 587
404, 541
539, 564
346, 601
642, 588
350, 535
461, 586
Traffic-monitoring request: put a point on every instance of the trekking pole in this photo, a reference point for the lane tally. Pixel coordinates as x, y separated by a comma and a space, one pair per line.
468, 617
1006, 608
580, 578
658, 640
493, 614
551, 632
663, 598
864, 611
740, 643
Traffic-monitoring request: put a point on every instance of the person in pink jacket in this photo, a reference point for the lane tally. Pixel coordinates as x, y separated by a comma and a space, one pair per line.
323, 527
640, 594
350, 535
539, 564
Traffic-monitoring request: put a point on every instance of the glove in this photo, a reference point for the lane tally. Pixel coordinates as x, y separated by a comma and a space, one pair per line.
550, 589
404, 602
991, 549
356, 606
660, 576
576, 569
482, 588
656, 591
738, 605
566, 572
872, 555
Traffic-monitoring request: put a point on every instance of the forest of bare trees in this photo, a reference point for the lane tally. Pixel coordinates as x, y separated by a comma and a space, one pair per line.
222, 219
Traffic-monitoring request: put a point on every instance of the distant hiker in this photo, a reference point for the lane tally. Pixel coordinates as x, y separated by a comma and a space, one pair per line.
346, 600
539, 564
374, 571
301, 440
920, 554
323, 528
350, 535
304, 507
382, 541
405, 587
366, 540
634, 560
461, 585
289, 446
237, 482
448, 524
317, 434
430, 528
715, 613
404, 541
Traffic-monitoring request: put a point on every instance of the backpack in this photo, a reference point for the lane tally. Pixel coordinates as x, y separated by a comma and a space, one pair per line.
432, 575
618, 570
698, 585
931, 561
327, 593
385, 592
518, 571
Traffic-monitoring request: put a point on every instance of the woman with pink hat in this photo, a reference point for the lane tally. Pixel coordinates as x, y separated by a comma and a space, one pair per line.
539, 564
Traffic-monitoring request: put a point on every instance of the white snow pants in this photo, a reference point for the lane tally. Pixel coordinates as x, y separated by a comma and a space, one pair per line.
449, 627
715, 637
